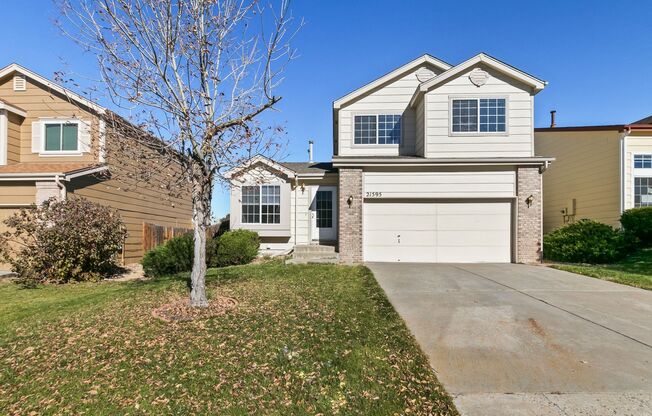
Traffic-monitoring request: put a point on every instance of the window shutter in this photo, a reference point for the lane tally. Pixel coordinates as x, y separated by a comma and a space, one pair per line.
84, 137
37, 140
19, 82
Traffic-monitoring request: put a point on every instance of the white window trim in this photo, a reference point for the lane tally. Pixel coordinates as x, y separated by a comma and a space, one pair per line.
260, 204
478, 98
638, 173
375, 145
43, 152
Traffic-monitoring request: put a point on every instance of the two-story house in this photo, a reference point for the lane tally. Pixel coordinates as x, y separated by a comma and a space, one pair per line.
431, 163
55, 143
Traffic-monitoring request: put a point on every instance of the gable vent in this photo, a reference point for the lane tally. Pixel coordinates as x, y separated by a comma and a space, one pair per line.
19, 82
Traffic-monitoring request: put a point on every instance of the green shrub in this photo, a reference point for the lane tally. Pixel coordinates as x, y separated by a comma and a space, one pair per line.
586, 241
638, 223
63, 241
236, 247
173, 257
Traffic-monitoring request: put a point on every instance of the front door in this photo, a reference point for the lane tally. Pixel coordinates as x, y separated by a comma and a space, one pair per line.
323, 214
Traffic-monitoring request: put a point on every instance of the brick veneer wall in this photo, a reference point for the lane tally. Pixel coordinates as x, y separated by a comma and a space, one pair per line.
528, 223
350, 216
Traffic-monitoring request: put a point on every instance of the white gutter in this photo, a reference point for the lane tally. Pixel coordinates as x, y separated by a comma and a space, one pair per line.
49, 176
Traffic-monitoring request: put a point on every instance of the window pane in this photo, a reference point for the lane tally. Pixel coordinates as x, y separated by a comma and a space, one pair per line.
70, 134
642, 192
250, 204
270, 207
52, 137
389, 129
465, 115
492, 115
365, 130
643, 161
324, 208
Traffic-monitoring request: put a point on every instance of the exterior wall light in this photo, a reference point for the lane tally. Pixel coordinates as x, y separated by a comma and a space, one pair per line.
349, 200
529, 200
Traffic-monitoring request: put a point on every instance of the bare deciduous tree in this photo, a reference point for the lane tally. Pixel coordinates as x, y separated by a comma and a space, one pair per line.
196, 73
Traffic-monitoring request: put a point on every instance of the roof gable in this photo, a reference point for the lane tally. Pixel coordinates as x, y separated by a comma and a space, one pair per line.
398, 72
256, 160
481, 58
52, 85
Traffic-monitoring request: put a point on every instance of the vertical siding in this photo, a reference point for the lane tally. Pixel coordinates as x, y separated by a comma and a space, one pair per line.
392, 98
38, 101
634, 144
516, 142
587, 168
14, 123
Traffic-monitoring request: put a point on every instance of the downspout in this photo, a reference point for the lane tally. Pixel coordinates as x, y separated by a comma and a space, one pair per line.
62, 188
296, 182
622, 168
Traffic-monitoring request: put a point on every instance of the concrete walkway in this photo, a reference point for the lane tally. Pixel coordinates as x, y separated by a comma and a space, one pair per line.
508, 339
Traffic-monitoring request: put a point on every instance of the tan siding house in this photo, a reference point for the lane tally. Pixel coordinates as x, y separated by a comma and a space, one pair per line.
53, 144
599, 172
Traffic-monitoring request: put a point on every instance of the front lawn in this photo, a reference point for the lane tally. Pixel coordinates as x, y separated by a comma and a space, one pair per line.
302, 340
635, 270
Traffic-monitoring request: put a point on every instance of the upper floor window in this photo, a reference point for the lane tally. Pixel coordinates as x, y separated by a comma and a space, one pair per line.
643, 161
377, 129
479, 115
61, 137
261, 204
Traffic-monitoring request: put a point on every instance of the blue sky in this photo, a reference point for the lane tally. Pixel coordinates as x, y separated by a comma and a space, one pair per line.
596, 55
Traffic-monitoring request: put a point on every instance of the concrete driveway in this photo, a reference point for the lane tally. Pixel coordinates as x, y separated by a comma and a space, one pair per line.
509, 339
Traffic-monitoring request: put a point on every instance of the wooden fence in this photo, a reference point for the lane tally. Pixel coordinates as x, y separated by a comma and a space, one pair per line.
154, 235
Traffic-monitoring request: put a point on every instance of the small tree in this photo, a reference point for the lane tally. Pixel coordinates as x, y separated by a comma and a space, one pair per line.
198, 74
60, 242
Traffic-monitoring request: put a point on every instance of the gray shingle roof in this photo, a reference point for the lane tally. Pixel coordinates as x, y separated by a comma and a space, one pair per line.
309, 167
646, 120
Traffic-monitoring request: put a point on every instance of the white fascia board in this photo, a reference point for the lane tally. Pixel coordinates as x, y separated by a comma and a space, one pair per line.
56, 87
70, 176
259, 159
539, 161
395, 73
494, 63
11, 108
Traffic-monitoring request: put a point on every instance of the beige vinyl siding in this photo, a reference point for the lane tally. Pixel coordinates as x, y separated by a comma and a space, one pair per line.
19, 193
392, 98
38, 101
587, 169
136, 206
14, 123
635, 143
516, 142
420, 129
441, 184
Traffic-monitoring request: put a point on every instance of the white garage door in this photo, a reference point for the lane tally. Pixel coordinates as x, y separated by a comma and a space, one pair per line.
441, 232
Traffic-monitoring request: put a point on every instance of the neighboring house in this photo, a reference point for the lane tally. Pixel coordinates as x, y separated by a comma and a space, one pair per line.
599, 171
53, 142
431, 163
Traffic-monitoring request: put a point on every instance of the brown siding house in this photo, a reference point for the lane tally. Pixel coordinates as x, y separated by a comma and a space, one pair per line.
54, 143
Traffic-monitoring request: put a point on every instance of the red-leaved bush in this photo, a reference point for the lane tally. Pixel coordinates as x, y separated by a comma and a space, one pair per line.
62, 241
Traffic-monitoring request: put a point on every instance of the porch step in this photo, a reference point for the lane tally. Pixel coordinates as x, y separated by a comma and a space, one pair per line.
314, 254
313, 248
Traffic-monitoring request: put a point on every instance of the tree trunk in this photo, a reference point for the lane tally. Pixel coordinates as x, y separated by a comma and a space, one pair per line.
201, 208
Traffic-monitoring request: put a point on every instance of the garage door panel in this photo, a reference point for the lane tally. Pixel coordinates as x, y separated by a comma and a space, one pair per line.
401, 222
470, 208
446, 232
473, 222
404, 253
407, 238
499, 254
495, 238
384, 208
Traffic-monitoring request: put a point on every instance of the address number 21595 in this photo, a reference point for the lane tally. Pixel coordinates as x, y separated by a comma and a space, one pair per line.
374, 194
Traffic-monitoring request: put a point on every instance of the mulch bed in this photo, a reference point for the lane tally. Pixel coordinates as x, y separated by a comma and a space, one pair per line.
179, 310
